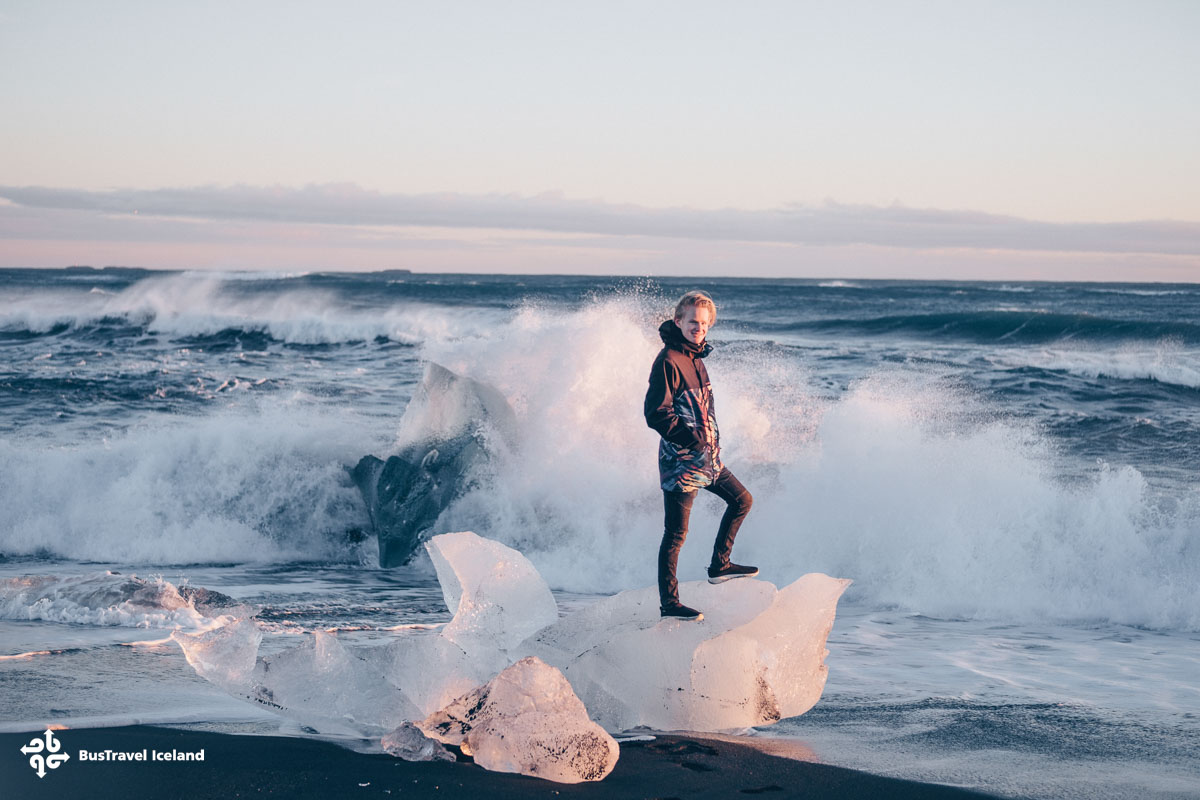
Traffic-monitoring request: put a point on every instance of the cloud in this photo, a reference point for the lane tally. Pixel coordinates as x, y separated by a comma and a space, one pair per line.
831, 224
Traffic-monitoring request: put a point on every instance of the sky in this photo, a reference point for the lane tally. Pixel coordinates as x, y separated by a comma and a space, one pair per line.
965, 139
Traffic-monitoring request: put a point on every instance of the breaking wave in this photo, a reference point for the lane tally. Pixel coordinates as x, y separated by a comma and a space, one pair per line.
1000, 327
905, 483
249, 486
110, 598
197, 305
922, 493
1166, 363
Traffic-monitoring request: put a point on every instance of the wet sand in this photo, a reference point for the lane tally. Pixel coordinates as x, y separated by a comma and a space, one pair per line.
271, 766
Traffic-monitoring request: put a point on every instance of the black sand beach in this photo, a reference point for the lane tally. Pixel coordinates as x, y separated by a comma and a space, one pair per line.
263, 766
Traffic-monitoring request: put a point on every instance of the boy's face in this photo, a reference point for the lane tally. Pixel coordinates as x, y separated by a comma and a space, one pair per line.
694, 323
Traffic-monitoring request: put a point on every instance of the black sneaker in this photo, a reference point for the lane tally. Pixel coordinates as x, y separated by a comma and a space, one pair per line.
729, 572
680, 611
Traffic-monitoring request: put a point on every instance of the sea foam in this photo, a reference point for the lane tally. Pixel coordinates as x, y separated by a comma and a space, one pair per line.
923, 493
110, 598
1167, 361
260, 485
197, 304
906, 482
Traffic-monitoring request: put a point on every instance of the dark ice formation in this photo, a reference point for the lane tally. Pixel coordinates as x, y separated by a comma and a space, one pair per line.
454, 426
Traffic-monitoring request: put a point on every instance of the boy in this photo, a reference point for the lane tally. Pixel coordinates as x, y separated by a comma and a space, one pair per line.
679, 406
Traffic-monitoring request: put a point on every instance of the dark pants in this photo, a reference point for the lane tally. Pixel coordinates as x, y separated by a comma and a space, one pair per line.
678, 507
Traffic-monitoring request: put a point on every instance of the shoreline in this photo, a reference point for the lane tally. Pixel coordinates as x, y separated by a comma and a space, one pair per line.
250, 765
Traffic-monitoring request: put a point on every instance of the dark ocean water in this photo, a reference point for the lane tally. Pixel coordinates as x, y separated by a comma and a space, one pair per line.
1007, 471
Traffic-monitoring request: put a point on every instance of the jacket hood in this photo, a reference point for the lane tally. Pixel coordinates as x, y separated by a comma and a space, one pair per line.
673, 337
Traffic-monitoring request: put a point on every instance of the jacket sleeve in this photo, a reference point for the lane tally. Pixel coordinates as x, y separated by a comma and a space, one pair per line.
665, 381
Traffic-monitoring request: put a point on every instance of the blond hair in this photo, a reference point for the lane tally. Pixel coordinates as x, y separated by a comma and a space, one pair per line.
695, 299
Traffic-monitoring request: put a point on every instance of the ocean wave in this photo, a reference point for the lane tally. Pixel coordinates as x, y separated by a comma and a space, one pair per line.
1166, 363
1141, 292
1000, 326
907, 483
110, 598
239, 275
973, 520
199, 304
257, 485
919, 491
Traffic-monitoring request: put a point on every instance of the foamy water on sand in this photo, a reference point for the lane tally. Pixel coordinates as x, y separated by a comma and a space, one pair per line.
1007, 473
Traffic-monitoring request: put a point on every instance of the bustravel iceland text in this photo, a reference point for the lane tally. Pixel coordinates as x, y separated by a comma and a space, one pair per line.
141, 755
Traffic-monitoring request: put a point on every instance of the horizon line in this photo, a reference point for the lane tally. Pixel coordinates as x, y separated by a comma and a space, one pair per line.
300, 273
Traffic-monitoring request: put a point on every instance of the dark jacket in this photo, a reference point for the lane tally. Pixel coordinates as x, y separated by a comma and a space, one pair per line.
679, 405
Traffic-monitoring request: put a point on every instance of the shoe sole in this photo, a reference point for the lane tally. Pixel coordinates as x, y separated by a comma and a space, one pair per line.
696, 618
723, 578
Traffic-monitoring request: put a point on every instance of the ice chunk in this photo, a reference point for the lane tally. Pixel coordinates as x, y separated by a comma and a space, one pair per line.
411, 744
757, 656
447, 405
451, 427
320, 683
772, 667
225, 655
497, 597
431, 670
527, 720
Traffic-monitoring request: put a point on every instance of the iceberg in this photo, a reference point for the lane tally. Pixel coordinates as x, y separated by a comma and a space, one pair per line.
496, 595
527, 720
498, 599
320, 683
757, 657
452, 425
523, 690
411, 744
225, 655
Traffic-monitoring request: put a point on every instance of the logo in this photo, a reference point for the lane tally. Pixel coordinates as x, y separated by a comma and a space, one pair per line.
44, 755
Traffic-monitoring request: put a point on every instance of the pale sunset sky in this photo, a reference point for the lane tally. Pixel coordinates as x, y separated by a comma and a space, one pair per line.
961, 139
